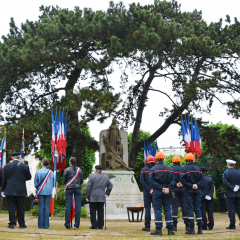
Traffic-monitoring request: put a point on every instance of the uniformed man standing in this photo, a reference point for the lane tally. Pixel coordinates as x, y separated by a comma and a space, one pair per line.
14, 180
162, 179
207, 200
221, 194
180, 194
192, 179
231, 179
96, 195
147, 190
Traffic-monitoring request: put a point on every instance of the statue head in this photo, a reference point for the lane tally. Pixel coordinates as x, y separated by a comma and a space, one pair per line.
114, 121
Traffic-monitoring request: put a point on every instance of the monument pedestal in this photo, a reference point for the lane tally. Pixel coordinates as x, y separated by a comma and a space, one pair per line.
125, 192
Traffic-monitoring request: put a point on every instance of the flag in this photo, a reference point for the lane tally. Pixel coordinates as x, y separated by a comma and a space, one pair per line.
197, 140
145, 151
53, 135
63, 136
65, 130
3, 147
22, 149
59, 140
156, 148
73, 209
192, 143
185, 135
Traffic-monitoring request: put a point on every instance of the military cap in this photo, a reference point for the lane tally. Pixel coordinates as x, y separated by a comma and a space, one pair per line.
203, 169
98, 167
14, 154
230, 162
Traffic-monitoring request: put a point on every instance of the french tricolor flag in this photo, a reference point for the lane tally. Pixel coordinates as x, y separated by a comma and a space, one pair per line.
192, 144
53, 135
185, 135
197, 140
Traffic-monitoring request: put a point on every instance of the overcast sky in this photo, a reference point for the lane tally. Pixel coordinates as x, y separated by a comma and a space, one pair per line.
212, 10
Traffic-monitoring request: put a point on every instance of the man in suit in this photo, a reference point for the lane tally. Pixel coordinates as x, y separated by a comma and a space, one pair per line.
231, 179
96, 195
207, 200
14, 188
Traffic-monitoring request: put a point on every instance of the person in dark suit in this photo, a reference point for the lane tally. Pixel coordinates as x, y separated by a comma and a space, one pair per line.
221, 194
231, 179
207, 200
14, 188
96, 193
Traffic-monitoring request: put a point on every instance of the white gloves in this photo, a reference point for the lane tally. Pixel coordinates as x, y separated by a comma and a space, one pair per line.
87, 200
236, 188
208, 197
106, 195
2, 194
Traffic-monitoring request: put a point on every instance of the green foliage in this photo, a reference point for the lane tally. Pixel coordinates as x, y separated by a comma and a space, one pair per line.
168, 160
27, 204
35, 210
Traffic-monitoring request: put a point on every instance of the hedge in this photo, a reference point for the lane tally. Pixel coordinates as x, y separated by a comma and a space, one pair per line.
28, 204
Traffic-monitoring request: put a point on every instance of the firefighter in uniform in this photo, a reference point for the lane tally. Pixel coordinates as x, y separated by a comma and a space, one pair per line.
162, 179
207, 200
192, 179
147, 190
231, 179
180, 194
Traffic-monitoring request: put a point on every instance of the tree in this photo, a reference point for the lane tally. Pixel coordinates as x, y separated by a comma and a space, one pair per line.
42, 64
219, 142
199, 59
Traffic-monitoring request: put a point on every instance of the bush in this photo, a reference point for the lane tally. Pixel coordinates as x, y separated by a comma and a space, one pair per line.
27, 205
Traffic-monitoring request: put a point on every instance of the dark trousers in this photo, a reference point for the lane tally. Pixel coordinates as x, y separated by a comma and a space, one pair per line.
160, 199
16, 202
180, 194
97, 206
222, 204
194, 205
147, 205
207, 205
233, 203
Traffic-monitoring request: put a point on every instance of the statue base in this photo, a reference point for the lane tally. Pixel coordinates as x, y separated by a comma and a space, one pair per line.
125, 192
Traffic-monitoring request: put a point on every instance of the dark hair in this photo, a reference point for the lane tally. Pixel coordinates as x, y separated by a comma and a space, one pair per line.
74, 163
45, 162
151, 164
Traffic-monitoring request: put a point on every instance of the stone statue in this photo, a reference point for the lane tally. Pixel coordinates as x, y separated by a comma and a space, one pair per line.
120, 148
113, 134
112, 160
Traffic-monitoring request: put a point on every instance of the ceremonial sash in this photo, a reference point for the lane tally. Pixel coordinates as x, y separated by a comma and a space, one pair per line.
72, 180
43, 183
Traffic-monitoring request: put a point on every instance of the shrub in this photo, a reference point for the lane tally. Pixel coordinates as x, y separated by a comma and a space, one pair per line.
27, 205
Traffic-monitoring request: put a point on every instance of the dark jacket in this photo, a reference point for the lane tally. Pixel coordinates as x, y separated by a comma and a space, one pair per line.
16, 186
190, 175
161, 175
68, 175
96, 187
231, 178
208, 187
176, 168
221, 193
144, 179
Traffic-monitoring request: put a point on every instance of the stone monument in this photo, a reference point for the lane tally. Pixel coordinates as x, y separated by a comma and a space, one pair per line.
113, 156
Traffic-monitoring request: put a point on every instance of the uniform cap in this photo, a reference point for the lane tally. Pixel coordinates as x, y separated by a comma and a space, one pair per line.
203, 169
14, 154
231, 162
98, 167
176, 159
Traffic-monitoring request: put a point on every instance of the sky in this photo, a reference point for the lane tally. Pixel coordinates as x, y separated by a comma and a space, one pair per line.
212, 11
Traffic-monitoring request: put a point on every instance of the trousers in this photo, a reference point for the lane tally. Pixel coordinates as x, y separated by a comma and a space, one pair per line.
147, 205
99, 208
207, 206
233, 204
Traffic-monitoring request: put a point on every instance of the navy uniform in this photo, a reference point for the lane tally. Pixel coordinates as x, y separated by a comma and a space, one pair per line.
207, 200
221, 194
191, 176
180, 194
14, 180
231, 179
147, 190
162, 179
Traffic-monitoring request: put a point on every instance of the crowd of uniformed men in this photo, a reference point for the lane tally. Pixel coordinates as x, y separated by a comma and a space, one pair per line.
164, 186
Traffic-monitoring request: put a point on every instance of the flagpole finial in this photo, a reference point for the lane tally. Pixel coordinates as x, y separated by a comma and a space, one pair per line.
45, 157
5, 131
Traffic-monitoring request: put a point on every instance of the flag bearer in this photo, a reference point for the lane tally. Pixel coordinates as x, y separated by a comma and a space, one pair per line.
192, 180
207, 200
162, 179
147, 190
231, 179
180, 194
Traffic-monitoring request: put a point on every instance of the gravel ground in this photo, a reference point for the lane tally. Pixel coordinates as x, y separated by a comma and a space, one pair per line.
116, 229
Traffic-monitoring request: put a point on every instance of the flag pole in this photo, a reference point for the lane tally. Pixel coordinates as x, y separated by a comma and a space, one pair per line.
55, 175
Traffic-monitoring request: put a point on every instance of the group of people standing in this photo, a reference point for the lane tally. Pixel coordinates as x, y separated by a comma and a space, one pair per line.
164, 186
14, 180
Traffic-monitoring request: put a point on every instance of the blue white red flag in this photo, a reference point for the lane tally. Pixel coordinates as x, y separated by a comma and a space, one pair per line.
53, 135
145, 151
3, 148
185, 135
156, 148
197, 140
192, 144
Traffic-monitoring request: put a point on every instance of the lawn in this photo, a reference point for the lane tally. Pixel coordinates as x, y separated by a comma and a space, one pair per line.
116, 229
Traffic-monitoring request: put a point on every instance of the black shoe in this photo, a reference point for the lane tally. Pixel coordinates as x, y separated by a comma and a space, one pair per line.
66, 226
210, 228
199, 230
157, 232
187, 228
23, 226
11, 226
233, 228
191, 231
92, 227
146, 229
170, 231
175, 228
204, 228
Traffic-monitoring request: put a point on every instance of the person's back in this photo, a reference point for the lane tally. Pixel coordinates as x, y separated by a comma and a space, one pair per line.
231, 178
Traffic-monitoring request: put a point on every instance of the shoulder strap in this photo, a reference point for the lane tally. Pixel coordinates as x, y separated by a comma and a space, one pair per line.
14, 170
72, 179
43, 182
